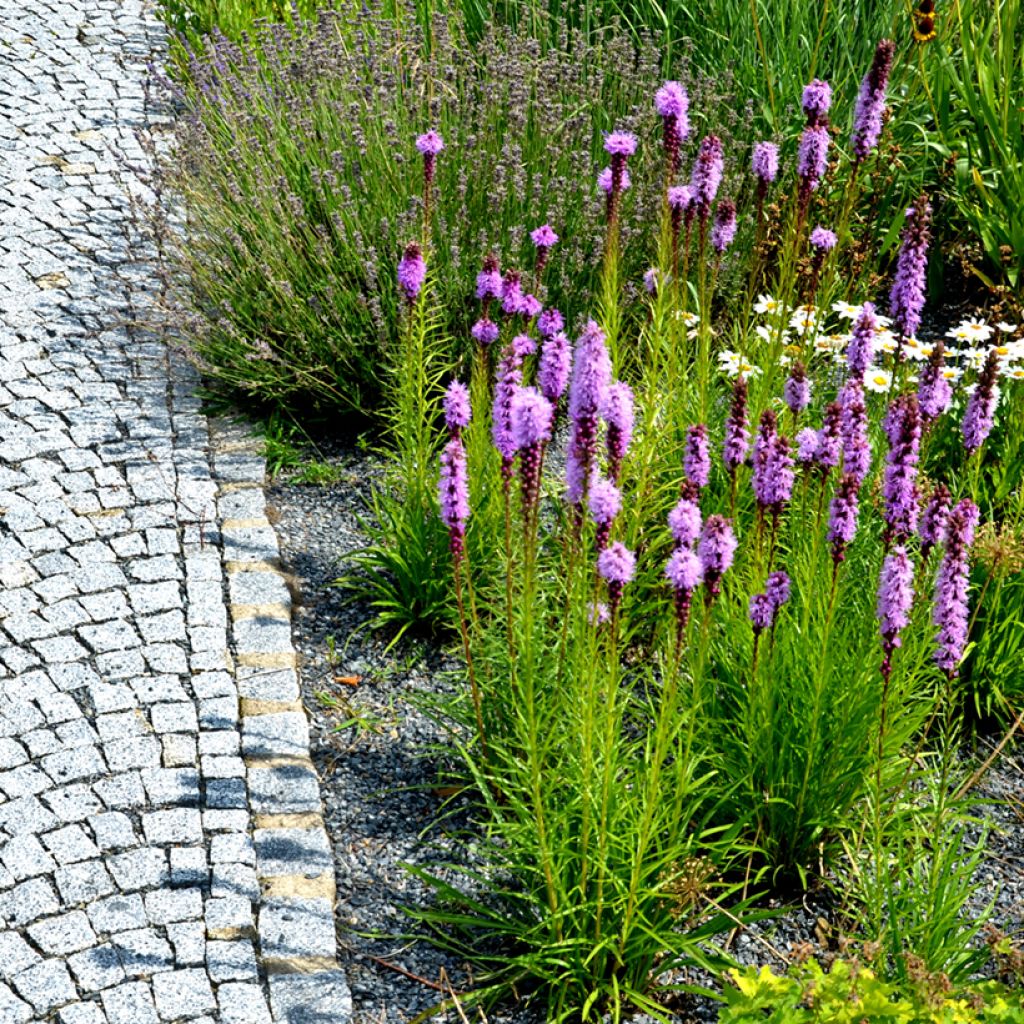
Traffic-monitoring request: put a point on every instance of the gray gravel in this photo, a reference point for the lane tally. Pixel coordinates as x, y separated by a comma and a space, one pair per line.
377, 778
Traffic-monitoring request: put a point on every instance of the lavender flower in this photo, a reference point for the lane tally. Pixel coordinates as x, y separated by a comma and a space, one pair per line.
934, 392
617, 412
870, 108
457, 410
856, 437
605, 502
932, 529
550, 323
530, 418
797, 390
724, 229
716, 549
842, 516
899, 488
951, 613
453, 495
895, 598
737, 434
706, 176
485, 331
697, 457
616, 565
488, 282
412, 272
684, 522
817, 99
812, 160
906, 298
861, 354
765, 163
555, 364
980, 414
806, 445
591, 376
830, 438
544, 238
672, 104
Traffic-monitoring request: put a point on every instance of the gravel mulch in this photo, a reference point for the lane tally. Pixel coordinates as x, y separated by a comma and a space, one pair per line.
369, 744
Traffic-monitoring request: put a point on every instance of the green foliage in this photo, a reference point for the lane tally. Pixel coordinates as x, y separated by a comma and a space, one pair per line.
850, 993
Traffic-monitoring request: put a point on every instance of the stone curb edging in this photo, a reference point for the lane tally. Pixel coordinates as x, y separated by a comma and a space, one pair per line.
294, 862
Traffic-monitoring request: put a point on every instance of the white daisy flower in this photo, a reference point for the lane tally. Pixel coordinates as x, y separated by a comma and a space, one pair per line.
877, 380
688, 318
767, 305
917, 350
953, 373
847, 310
729, 362
884, 341
1005, 327
975, 330
770, 335
974, 358
1015, 372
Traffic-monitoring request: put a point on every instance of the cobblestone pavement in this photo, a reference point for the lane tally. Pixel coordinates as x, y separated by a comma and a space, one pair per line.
162, 853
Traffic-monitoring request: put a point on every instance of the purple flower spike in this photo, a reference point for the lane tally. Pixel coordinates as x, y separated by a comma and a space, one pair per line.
724, 229
816, 101
605, 503
980, 415
429, 143
842, 516
797, 390
899, 488
512, 293
830, 438
488, 281
716, 549
617, 412
772, 478
550, 322
906, 298
934, 392
684, 522
685, 573
951, 613
806, 446
856, 436
679, 198
543, 237
671, 100
870, 108
412, 272
697, 457
616, 565
530, 418
555, 365
453, 495
485, 331
604, 181
895, 599
706, 176
764, 608
737, 433
620, 144
861, 354
672, 104
823, 239
507, 385
812, 159
457, 410
591, 376
777, 587
651, 280
932, 529
765, 163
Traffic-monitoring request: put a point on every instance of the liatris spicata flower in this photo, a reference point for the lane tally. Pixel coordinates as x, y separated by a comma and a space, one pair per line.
429, 144
672, 103
906, 298
615, 565
777, 587
817, 99
485, 331
895, 599
932, 529
530, 306
716, 549
530, 418
737, 433
604, 181
706, 176
764, 607
550, 323
934, 392
544, 238
870, 108
830, 438
773, 475
822, 239
684, 521
457, 410
812, 161
605, 502
509, 379
765, 163
489, 285
797, 390
591, 375
723, 230
617, 412
861, 354
842, 516
651, 281
619, 145
951, 612
806, 446
453, 495
680, 204
902, 426
685, 572
680, 197
412, 272
697, 457
554, 367
856, 436
512, 293
980, 415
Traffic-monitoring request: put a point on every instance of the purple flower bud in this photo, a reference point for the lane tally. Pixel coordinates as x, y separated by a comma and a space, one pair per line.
842, 516
806, 445
672, 104
591, 376
512, 293
485, 331
530, 306
737, 434
816, 101
706, 176
412, 272
716, 549
456, 407
555, 365
823, 239
765, 607
797, 390
724, 229
870, 108
773, 476
697, 457
765, 162
932, 529
777, 588
507, 385
684, 521
453, 495
550, 323
980, 415
951, 613
861, 354
617, 411
895, 599
906, 298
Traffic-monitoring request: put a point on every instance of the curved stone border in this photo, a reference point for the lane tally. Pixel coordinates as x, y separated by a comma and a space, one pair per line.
294, 865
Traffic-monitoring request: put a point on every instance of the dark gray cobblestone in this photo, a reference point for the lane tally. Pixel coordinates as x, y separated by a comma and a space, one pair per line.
131, 853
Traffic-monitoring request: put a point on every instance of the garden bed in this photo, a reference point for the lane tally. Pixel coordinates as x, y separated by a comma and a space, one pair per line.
371, 747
